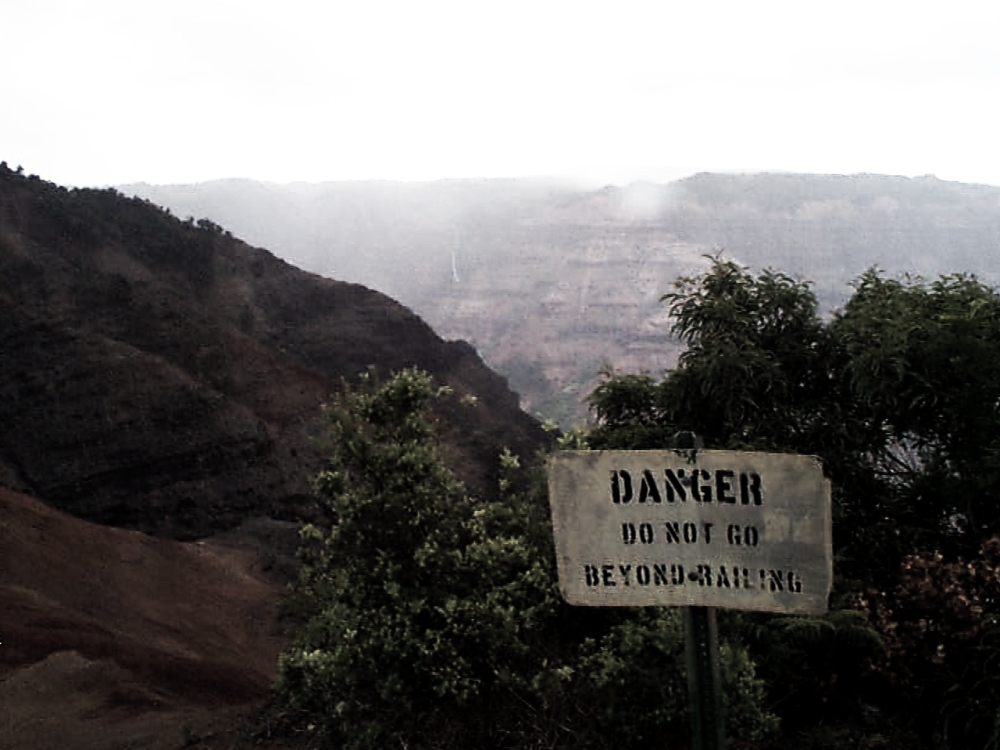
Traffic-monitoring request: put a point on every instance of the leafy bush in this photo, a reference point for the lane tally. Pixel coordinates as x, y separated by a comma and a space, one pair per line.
940, 628
899, 394
637, 681
433, 620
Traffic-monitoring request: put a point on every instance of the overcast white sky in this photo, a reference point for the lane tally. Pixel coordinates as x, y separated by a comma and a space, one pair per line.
96, 92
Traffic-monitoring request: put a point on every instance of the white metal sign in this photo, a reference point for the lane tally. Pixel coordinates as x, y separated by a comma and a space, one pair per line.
692, 528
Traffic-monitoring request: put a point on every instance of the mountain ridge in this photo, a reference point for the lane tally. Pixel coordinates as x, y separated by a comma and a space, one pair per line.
549, 281
163, 375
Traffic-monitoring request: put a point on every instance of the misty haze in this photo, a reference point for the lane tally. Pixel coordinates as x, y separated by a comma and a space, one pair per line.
550, 281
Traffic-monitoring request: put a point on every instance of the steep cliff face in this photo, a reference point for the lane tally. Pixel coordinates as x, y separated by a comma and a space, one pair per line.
549, 281
164, 376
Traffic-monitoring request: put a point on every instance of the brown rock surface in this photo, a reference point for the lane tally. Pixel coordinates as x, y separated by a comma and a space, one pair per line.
111, 638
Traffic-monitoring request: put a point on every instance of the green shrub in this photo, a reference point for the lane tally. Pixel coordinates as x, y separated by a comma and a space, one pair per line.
434, 620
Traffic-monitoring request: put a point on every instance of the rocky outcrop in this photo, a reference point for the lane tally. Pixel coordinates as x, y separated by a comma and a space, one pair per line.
162, 375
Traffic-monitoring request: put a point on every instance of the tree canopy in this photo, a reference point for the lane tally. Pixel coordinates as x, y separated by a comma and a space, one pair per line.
432, 619
899, 394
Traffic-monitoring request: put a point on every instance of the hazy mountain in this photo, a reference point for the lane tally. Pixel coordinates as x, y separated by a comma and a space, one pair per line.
164, 376
829, 229
549, 281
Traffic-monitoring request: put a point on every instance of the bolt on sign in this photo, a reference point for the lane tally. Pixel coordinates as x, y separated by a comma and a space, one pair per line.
698, 528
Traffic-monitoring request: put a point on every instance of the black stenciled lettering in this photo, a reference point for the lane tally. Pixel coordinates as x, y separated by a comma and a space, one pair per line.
648, 491
733, 535
660, 574
737, 583
677, 575
626, 571
628, 533
723, 486
748, 535
675, 485
722, 579
690, 533
776, 580
673, 532
607, 575
746, 577
593, 575
701, 493
621, 487
642, 575
702, 575
708, 532
750, 489
646, 533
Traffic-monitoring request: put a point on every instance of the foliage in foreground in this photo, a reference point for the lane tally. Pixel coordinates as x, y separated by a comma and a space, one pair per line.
433, 619
899, 394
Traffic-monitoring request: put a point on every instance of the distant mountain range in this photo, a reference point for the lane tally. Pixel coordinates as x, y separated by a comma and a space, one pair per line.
164, 376
548, 281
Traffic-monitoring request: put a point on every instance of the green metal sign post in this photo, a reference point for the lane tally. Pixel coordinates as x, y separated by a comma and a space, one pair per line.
696, 529
704, 681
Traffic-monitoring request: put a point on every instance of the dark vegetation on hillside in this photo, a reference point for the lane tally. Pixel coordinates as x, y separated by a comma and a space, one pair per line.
432, 620
161, 375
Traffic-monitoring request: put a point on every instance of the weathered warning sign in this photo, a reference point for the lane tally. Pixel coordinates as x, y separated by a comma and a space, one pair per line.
692, 528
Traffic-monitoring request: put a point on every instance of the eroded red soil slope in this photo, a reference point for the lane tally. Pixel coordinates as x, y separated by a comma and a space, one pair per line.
111, 638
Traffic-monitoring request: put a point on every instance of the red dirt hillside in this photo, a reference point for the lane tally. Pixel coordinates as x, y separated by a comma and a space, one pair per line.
112, 638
